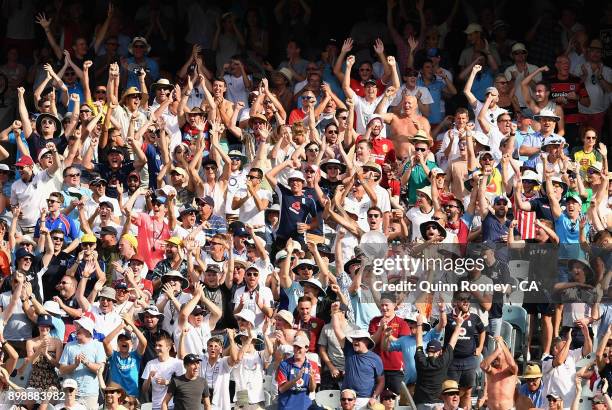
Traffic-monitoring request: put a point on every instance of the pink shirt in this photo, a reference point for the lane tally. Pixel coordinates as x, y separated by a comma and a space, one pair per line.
151, 237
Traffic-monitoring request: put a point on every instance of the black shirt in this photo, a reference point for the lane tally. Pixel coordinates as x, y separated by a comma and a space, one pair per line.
55, 271
469, 338
188, 394
499, 273
431, 373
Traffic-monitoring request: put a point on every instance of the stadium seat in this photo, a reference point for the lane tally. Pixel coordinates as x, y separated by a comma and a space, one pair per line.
519, 269
328, 398
405, 398
507, 335
518, 318
21, 380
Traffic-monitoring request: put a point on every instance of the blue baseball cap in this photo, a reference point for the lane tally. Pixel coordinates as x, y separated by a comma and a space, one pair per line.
433, 52
434, 346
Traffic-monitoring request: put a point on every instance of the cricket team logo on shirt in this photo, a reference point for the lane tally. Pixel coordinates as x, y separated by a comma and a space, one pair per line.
296, 207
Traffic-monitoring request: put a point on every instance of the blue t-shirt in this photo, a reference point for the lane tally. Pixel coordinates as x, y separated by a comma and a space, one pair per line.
150, 66
297, 396
569, 237
361, 370
536, 397
58, 329
482, 81
85, 378
436, 109
66, 224
154, 163
125, 371
407, 345
294, 210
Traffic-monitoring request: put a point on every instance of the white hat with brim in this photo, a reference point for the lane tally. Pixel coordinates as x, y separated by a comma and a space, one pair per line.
360, 334
139, 40
313, 283
86, 323
52, 307
162, 83
332, 161
295, 174
546, 113
530, 175
70, 384
423, 228
473, 28
481, 138
246, 315
553, 140
306, 262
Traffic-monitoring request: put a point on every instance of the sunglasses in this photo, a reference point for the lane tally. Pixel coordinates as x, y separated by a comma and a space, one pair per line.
52, 201
210, 167
85, 111
332, 131
73, 175
100, 91
312, 150
373, 216
420, 149
249, 177
236, 158
57, 238
451, 394
343, 117
252, 274
347, 399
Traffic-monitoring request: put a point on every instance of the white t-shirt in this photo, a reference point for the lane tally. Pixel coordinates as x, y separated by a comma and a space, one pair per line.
249, 214
182, 233
236, 91
560, 379
441, 159
218, 377
416, 217
250, 302
248, 375
196, 338
166, 369
364, 111
171, 314
425, 98
519, 78
106, 323
236, 181
91, 206
597, 95
491, 115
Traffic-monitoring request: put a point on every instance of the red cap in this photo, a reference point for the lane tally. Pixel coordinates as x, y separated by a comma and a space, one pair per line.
24, 161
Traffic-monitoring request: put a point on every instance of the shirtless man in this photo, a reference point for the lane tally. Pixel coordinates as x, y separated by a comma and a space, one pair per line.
224, 108
405, 125
501, 371
541, 99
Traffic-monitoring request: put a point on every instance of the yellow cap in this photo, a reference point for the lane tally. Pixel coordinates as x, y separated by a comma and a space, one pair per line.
131, 240
89, 238
175, 240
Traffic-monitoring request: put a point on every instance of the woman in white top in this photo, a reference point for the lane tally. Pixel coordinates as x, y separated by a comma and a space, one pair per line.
214, 185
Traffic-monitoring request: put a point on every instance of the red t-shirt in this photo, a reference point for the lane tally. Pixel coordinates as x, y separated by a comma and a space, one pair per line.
313, 327
382, 149
297, 114
391, 360
359, 88
560, 88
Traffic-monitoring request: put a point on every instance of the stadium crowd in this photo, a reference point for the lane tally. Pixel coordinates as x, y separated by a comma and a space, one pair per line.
206, 232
